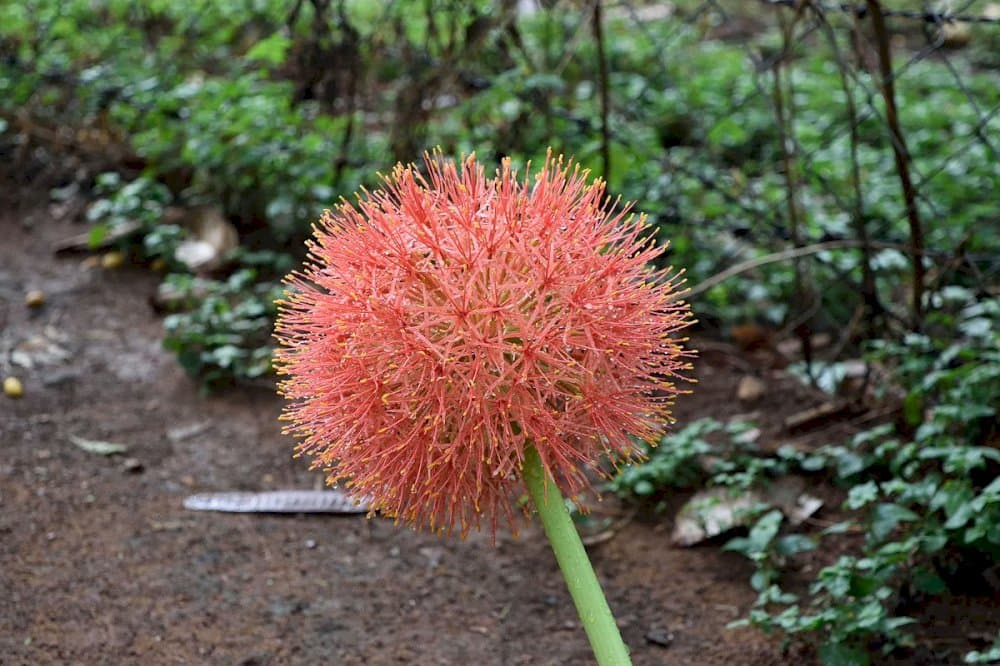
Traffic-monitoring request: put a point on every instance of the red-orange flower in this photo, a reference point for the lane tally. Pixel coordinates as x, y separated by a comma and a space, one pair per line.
445, 323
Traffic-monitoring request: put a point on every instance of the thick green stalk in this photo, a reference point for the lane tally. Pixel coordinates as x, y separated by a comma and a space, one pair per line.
598, 622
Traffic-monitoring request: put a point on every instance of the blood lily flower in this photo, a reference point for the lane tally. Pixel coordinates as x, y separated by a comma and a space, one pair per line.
446, 323
455, 338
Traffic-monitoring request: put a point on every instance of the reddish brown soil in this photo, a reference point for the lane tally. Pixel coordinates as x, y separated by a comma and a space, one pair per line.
100, 563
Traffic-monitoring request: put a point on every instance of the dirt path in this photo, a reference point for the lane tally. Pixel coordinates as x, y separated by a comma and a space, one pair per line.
99, 562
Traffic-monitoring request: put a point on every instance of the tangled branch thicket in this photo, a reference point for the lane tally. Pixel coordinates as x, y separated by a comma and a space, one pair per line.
747, 128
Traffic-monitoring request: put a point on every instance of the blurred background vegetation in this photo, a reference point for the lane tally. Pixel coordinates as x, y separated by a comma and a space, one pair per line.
742, 129
826, 173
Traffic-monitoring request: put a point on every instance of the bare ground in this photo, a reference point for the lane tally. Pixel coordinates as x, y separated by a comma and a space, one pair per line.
100, 563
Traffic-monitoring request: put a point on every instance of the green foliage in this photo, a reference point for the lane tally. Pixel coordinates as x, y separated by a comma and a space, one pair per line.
673, 463
926, 497
238, 105
137, 205
226, 331
925, 503
246, 146
769, 551
220, 330
705, 451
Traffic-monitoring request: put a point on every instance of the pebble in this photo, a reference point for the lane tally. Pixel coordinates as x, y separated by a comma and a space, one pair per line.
133, 465
12, 387
750, 389
58, 377
659, 636
113, 259
34, 298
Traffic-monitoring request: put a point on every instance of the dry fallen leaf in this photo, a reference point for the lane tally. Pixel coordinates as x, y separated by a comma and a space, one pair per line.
787, 494
279, 501
82, 242
212, 238
750, 389
97, 446
39, 350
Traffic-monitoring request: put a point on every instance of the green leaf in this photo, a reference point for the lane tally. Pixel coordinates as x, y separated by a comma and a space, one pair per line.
862, 586
885, 518
913, 408
849, 464
643, 488
840, 654
765, 530
928, 582
792, 544
861, 495
953, 497
728, 132
761, 579
960, 517
933, 542
838, 528
96, 235
271, 50
813, 463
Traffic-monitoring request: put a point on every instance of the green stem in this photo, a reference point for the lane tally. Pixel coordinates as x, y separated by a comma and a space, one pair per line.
598, 622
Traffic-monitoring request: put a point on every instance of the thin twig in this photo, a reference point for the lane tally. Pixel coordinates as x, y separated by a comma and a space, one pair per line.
784, 255
869, 290
925, 16
902, 157
602, 79
784, 109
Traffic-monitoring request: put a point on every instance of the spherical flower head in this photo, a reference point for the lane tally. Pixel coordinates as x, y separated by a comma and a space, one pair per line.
443, 324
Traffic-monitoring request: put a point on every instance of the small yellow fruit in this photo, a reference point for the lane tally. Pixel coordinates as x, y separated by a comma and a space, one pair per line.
34, 298
113, 259
158, 265
12, 387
